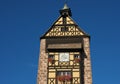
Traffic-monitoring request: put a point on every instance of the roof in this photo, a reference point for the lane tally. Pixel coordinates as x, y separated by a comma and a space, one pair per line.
64, 26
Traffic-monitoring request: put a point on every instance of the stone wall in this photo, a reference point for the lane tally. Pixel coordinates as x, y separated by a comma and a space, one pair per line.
87, 62
42, 66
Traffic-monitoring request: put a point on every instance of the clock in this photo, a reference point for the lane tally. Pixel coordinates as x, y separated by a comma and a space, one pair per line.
63, 57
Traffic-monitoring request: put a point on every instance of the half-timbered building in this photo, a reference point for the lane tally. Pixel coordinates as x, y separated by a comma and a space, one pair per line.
64, 53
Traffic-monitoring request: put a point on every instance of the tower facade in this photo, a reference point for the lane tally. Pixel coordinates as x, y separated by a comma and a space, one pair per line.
64, 53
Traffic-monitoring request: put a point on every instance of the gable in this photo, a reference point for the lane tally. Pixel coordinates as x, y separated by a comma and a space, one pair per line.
64, 27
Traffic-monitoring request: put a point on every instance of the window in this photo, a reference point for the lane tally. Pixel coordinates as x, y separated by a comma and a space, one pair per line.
64, 76
51, 56
77, 56
51, 59
63, 73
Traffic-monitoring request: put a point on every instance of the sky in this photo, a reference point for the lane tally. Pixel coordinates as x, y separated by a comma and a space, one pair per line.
22, 22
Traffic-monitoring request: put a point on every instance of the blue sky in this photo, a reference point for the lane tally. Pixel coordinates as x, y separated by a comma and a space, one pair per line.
22, 22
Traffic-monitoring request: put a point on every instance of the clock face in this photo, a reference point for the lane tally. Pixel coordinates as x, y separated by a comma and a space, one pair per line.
64, 57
